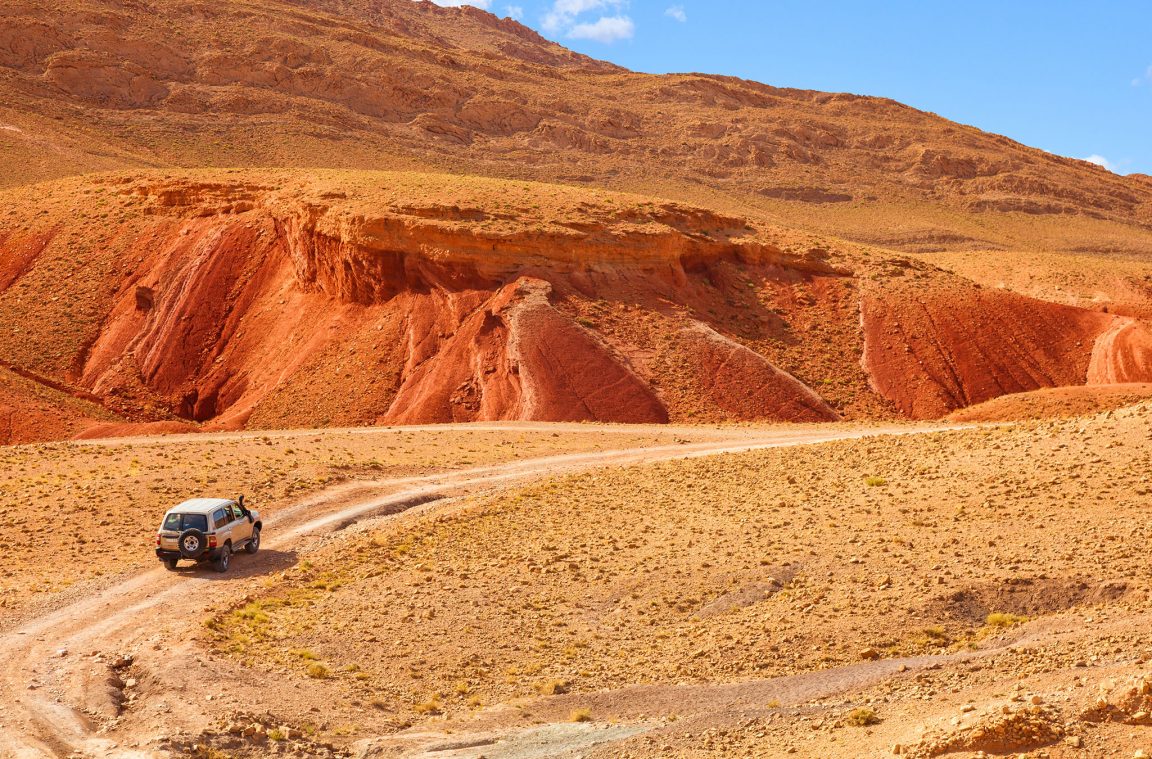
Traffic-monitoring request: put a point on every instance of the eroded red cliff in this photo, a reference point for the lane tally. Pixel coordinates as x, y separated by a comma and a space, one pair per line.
240, 303
274, 299
936, 345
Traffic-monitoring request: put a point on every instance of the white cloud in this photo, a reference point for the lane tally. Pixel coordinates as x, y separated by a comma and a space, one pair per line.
607, 29
515, 11
564, 18
1145, 78
457, 3
563, 13
677, 12
1100, 160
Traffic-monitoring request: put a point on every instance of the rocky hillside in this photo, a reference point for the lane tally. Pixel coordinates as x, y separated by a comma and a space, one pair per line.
95, 84
331, 298
287, 298
504, 229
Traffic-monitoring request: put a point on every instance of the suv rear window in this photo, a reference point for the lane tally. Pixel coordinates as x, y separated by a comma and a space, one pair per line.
181, 522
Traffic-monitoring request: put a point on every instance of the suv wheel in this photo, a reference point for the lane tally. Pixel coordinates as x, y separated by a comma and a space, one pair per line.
224, 559
253, 542
192, 543
170, 564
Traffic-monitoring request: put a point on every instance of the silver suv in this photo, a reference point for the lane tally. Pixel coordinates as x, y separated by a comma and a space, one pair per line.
208, 530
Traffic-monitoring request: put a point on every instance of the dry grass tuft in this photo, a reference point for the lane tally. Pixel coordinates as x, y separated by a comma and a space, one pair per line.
1004, 620
862, 717
430, 707
580, 715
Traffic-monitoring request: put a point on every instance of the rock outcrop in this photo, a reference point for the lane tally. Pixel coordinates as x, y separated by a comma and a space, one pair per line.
272, 300
279, 299
942, 343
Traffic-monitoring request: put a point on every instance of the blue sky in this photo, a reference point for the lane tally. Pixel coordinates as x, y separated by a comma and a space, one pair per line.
1070, 78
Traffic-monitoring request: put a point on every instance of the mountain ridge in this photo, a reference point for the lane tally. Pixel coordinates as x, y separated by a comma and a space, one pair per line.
220, 182
438, 88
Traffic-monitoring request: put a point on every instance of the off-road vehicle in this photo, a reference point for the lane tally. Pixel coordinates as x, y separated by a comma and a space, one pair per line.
208, 530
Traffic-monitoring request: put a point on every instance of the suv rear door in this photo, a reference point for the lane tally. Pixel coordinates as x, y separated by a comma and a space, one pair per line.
221, 525
241, 527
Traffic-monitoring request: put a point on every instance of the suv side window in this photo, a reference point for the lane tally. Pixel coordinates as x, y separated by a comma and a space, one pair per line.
236, 513
219, 518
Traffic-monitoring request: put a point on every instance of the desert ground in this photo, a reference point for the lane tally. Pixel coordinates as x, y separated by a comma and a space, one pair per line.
590, 413
536, 590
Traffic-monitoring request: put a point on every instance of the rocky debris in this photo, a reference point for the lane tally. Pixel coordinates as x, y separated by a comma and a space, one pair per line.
996, 730
243, 735
121, 661
119, 686
145, 298
1128, 702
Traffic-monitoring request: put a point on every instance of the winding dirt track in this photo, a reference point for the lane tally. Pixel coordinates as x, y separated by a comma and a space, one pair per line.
38, 716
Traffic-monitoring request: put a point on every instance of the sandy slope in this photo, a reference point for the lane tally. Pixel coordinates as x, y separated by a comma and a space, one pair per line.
57, 699
690, 593
754, 603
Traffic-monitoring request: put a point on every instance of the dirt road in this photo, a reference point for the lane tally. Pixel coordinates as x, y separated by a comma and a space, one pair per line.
54, 687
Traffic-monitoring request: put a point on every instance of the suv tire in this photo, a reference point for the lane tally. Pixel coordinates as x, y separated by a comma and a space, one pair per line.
224, 559
170, 564
253, 542
192, 543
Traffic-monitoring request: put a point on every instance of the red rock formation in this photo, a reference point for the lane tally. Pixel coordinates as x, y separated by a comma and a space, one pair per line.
515, 357
941, 344
275, 300
744, 384
566, 373
310, 307
1121, 354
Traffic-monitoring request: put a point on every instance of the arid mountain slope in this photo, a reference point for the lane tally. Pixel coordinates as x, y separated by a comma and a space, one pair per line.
91, 85
280, 298
819, 256
334, 298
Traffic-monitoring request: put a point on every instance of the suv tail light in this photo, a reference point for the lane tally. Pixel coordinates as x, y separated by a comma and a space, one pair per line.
157, 540
211, 541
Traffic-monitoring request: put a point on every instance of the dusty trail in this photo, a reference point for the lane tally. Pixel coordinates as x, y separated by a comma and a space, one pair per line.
37, 683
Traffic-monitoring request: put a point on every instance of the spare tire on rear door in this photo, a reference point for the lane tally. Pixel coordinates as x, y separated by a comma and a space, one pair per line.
192, 543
